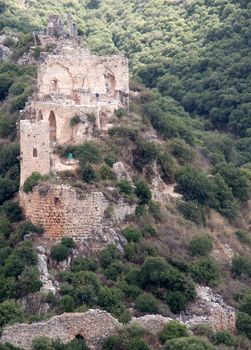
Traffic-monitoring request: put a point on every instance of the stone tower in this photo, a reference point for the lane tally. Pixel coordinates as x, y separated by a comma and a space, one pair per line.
71, 82
72, 85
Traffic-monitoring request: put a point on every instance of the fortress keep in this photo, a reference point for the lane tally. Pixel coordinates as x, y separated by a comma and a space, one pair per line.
71, 82
77, 95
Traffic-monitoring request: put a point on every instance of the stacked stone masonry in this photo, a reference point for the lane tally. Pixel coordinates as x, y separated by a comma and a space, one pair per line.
94, 326
64, 211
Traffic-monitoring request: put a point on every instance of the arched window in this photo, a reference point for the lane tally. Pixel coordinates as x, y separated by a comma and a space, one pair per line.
34, 152
54, 85
40, 116
53, 128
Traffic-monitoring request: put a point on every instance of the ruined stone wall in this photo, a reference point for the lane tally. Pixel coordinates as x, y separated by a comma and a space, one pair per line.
78, 69
64, 211
94, 326
63, 112
35, 148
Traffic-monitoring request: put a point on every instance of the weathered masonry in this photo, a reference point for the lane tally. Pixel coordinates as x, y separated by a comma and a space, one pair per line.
77, 95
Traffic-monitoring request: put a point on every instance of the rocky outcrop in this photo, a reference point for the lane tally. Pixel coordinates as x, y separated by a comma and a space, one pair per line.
152, 323
94, 326
44, 273
211, 309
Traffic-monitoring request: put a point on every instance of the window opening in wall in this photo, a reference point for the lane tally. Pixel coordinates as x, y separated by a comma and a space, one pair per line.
53, 128
54, 85
56, 201
77, 99
34, 152
40, 115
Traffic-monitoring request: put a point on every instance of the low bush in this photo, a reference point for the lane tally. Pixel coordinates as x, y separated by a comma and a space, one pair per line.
108, 298
193, 211
132, 234
244, 237
224, 337
143, 192
83, 264
60, 252
125, 187
68, 242
189, 343
109, 255
106, 173
200, 245
241, 266
32, 181
146, 302
5, 227
243, 324
114, 270
177, 301
155, 210
67, 303
27, 227
205, 271
172, 330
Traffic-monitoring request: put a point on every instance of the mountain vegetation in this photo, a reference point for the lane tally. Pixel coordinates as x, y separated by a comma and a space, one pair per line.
190, 64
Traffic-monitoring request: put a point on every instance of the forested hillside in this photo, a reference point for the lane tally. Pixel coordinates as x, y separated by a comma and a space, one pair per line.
190, 67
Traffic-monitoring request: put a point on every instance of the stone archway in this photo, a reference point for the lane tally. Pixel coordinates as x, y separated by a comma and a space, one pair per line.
53, 128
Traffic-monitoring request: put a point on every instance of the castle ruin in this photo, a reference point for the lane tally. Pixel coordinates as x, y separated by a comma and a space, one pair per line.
72, 84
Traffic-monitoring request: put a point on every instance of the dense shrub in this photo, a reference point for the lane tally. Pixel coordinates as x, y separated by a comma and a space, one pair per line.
114, 270
27, 227
241, 265
188, 343
32, 181
143, 192
60, 252
108, 298
125, 187
132, 234
7, 189
10, 312
245, 303
106, 173
42, 343
224, 337
205, 270
12, 211
243, 324
5, 84
177, 301
68, 242
244, 237
110, 254
146, 302
200, 245
81, 264
193, 211
5, 227
67, 303
172, 330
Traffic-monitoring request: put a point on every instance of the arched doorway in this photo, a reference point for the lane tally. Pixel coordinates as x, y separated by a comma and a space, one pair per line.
40, 116
53, 128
